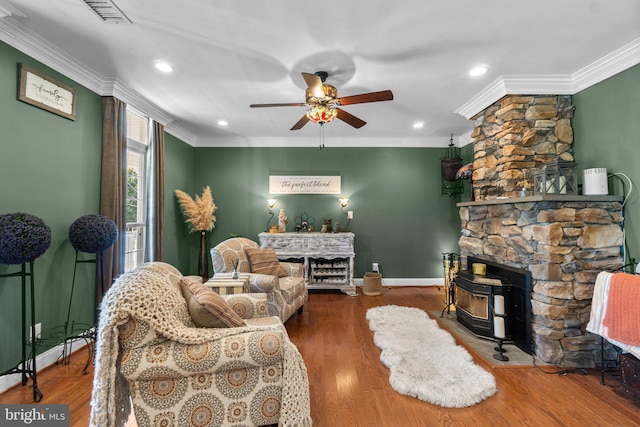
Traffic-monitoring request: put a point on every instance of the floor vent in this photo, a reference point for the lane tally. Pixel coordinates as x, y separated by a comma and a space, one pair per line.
107, 11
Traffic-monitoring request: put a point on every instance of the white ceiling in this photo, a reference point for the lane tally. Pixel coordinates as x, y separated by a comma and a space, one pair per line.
227, 54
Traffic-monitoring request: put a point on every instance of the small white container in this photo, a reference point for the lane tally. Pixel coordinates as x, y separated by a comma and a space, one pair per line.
594, 182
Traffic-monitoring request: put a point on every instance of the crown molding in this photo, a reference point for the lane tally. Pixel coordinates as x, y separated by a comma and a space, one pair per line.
621, 59
464, 139
8, 10
15, 34
328, 142
28, 42
181, 133
617, 61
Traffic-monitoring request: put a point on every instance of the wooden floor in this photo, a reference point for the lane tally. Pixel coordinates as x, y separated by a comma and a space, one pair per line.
349, 386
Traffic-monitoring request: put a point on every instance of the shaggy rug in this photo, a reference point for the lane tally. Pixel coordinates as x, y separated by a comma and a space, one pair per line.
425, 361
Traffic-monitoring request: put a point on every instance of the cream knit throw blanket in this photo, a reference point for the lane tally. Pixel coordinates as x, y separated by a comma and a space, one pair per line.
150, 296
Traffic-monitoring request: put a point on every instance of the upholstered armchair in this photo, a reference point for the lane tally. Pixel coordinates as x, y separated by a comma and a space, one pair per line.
151, 353
283, 282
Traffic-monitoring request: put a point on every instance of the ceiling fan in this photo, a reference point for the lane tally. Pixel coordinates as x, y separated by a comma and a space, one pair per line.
324, 103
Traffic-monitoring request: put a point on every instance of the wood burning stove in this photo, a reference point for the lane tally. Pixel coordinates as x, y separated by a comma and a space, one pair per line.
475, 296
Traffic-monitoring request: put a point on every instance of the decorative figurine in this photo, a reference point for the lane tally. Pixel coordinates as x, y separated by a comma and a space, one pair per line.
282, 221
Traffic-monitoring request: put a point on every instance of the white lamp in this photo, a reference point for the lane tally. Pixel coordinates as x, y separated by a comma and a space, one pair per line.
344, 202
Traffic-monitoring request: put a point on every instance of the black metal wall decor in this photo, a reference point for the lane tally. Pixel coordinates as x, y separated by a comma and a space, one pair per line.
449, 165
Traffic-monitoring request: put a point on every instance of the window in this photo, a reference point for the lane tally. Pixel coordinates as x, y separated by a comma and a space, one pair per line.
137, 147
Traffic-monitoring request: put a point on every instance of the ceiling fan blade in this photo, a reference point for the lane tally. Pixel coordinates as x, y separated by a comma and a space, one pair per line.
303, 121
385, 95
314, 83
295, 104
350, 119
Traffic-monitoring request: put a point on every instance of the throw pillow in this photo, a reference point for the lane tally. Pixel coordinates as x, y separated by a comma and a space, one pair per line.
264, 261
207, 308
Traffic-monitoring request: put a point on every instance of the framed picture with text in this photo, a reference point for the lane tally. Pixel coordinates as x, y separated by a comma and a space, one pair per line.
296, 184
39, 90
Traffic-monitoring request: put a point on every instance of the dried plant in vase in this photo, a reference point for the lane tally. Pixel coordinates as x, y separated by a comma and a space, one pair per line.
200, 211
200, 217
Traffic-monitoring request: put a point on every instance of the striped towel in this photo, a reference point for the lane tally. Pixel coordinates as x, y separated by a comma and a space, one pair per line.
623, 309
599, 304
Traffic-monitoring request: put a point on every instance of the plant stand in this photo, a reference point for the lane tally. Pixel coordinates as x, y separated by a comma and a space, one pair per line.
27, 366
72, 331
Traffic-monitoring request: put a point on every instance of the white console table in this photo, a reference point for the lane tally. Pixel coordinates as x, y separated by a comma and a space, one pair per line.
328, 257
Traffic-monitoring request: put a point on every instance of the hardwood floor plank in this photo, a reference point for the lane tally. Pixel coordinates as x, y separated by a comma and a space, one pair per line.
349, 386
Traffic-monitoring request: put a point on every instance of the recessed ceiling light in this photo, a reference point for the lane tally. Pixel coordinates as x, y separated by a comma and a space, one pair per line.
418, 125
222, 123
163, 66
479, 70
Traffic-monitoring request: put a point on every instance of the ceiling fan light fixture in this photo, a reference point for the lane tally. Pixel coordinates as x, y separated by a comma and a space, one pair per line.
326, 93
322, 114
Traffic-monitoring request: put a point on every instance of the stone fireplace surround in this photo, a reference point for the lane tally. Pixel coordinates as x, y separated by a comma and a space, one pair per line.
563, 240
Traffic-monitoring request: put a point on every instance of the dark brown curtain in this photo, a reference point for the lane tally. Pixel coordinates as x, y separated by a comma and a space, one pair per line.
113, 187
155, 195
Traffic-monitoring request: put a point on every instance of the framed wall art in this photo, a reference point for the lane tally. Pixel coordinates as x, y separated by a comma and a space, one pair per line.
42, 91
296, 184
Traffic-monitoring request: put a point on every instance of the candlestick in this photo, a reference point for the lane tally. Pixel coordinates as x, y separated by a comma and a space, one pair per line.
498, 305
498, 327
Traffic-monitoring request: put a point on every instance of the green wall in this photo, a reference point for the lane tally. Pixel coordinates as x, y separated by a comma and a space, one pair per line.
50, 168
179, 248
606, 129
400, 218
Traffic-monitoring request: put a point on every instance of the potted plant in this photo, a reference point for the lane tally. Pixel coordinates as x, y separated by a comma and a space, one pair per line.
23, 238
93, 233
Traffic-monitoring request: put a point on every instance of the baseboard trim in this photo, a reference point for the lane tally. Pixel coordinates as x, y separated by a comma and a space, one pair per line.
43, 360
386, 281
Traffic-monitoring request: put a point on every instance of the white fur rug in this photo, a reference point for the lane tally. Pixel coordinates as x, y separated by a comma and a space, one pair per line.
424, 360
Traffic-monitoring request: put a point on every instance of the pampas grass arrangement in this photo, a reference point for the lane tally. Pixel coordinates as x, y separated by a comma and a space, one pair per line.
199, 212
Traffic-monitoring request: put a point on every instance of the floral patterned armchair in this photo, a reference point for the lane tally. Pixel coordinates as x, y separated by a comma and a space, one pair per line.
285, 294
150, 353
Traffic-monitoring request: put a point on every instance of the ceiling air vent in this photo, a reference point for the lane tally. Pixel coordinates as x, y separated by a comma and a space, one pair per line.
107, 11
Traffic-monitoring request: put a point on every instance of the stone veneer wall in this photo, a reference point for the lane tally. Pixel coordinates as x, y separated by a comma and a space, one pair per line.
564, 244
514, 137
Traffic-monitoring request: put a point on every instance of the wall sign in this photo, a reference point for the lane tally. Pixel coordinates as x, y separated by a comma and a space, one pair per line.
44, 92
296, 184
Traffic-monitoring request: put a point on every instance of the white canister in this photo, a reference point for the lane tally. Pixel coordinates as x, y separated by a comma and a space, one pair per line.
594, 182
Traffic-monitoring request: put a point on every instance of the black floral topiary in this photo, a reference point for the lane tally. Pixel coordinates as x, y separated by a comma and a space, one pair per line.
23, 238
93, 233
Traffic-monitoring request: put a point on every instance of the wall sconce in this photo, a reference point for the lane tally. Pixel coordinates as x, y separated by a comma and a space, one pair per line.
344, 202
270, 204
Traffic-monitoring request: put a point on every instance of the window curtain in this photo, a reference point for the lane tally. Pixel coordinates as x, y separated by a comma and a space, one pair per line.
113, 189
155, 194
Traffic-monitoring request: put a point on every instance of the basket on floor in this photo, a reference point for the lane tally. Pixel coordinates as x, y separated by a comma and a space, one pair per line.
372, 284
